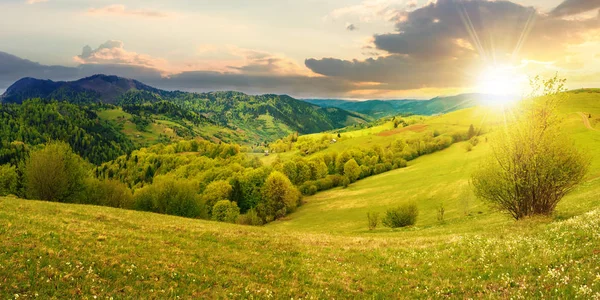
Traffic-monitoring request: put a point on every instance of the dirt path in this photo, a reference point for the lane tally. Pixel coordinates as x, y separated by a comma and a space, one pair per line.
586, 121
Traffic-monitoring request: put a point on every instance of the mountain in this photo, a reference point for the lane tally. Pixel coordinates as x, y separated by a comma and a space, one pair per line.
97, 88
383, 108
147, 115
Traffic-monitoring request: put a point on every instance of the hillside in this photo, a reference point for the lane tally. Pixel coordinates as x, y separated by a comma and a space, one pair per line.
147, 115
324, 249
383, 108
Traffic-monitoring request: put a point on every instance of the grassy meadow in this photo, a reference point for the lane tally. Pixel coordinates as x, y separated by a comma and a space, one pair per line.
324, 249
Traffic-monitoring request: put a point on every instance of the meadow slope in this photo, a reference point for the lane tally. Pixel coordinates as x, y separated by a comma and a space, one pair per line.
323, 250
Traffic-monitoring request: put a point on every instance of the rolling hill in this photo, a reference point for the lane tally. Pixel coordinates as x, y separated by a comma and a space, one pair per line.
383, 108
147, 115
324, 250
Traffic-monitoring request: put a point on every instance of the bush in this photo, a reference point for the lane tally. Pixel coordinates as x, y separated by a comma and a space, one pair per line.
373, 220
249, 218
403, 215
55, 173
533, 163
225, 211
108, 192
309, 188
9, 180
171, 196
345, 182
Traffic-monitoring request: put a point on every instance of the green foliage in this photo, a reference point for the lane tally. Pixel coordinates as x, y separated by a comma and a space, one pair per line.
216, 191
250, 218
9, 180
54, 173
402, 216
352, 170
37, 122
373, 220
171, 196
108, 192
280, 197
534, 164
225, 211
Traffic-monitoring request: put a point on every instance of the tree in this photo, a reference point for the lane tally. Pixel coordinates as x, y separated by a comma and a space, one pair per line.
54, 173
533, 163
216, 191
225, 211
280, 197
471, 133
8, 180
352, 170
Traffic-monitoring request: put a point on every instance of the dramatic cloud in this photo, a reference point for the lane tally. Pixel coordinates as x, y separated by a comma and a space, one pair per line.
573, 7
444, 43
121, 10
113, 52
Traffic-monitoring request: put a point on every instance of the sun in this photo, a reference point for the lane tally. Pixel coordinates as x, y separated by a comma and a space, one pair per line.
501, 80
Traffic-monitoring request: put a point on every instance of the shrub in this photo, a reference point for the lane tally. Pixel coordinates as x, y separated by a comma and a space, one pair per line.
468, 147
373, 220
345, 182
8, 180
249, 218
54, 173
440, 212
403, 215
108, 192
171, 196
533, 163
225, 211
309, 188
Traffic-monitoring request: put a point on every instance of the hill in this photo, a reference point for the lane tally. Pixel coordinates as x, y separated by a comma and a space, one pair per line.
383, 108
324, 249
147, 115
97, 88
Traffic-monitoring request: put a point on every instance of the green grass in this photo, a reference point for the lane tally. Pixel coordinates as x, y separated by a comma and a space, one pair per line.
324, 249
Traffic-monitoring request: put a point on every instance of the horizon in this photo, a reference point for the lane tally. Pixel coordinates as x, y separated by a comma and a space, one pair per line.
351, 50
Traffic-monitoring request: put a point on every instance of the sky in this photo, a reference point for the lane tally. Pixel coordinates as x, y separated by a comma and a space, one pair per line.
352, 49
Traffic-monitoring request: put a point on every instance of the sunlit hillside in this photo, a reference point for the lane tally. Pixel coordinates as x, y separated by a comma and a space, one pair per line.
324, 249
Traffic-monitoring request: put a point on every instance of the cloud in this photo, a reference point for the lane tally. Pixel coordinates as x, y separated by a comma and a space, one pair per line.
113, 52
371, 10
351, 27
446, 43
573, 7
122, 10
36, 1
13, 68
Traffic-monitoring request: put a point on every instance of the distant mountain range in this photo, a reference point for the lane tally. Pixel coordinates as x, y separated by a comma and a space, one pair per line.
97, 88
222, 116
383, 108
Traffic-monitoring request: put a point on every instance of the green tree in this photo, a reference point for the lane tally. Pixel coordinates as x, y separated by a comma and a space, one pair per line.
216, 191
171, 196
225, 211
55, 173
9, 180
352, 170
280, 197
533, 163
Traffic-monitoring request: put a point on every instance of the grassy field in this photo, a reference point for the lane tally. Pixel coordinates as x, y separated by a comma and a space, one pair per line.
323, 250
